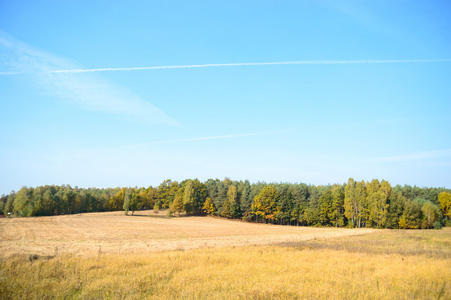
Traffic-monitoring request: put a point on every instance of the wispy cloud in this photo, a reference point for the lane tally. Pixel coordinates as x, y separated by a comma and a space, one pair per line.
415, 156
207, 138
302, 62
86, 91
11, 73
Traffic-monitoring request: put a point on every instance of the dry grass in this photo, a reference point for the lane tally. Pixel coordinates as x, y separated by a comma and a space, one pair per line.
427, 243
113, 232
252, 272
385, 264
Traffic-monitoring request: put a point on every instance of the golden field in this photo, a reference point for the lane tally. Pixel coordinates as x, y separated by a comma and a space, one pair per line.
217, 259
113, 232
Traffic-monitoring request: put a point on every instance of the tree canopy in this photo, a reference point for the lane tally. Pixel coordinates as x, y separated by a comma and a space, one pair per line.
373, 204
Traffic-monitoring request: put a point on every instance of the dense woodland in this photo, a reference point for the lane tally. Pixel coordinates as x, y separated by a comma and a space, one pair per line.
373, 204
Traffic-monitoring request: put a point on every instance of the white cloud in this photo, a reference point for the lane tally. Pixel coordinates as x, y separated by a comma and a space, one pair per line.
87, 91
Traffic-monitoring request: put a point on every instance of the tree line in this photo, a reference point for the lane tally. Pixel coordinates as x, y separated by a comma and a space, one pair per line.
374, 204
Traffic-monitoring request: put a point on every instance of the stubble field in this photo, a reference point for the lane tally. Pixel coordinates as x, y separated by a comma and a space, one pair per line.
113, 232
109, 255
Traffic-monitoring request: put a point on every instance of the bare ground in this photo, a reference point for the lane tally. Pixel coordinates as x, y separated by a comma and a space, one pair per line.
113, 232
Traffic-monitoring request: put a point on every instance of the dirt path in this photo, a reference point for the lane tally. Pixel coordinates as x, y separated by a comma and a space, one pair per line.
115, 233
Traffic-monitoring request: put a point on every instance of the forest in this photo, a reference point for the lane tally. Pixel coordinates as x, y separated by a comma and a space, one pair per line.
355, 204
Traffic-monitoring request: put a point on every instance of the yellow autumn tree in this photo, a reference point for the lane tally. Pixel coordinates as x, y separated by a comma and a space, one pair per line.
445, 203
264, 206
209, 207
177, 205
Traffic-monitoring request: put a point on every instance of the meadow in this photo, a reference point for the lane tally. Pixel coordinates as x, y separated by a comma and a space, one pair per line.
108, 255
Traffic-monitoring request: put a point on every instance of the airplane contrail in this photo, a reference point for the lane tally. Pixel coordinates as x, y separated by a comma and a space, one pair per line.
302, 62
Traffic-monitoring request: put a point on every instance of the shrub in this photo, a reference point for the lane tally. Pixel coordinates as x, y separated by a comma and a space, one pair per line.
437, 225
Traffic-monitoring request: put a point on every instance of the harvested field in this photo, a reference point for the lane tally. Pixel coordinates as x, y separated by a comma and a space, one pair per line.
109, 255
113, 232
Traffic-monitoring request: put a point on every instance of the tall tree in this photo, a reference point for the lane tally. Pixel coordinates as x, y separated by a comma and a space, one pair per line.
116, 201
188, 197
431, 214
361, 198
312, 214
377, 202
246, 200
177, 205
194, 196
396, 208
148, 197
166, 192
208, 207
444, 199
285, 206
212, 189
372, 200
337, 215
264, 204
23, 205
231, 207
411, 217
355, 198
383, 203
134, 200
350, 202
47, 205
127, 203
326, 207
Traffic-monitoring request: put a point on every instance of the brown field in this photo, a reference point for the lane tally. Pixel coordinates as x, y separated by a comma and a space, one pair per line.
113, 232
148, 256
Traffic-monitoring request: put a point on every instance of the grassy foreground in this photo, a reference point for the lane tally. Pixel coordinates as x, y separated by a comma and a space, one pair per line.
383, 265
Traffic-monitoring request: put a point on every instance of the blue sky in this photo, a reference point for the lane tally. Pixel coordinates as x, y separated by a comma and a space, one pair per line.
368, 97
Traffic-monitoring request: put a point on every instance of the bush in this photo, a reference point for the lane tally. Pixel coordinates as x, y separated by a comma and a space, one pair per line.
437, 225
